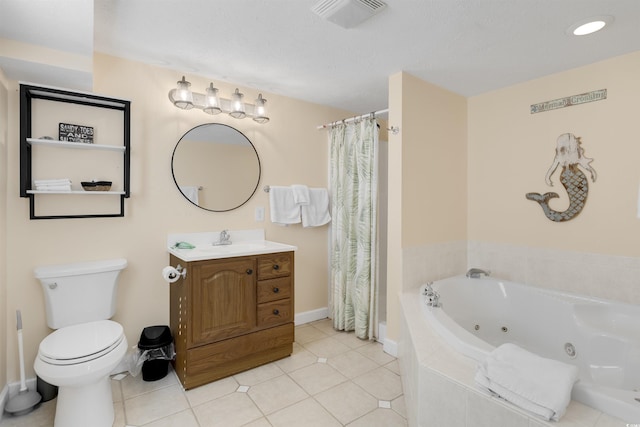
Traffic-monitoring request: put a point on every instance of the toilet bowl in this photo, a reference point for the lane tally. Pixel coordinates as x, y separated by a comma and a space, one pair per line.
86, 347
78, 359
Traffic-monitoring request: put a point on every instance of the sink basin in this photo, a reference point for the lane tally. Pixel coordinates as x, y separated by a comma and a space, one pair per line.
209, 251
232, 248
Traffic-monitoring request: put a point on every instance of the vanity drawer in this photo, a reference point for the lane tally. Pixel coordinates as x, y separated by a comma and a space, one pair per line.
228, 357
274, 313
274, 265
274, 289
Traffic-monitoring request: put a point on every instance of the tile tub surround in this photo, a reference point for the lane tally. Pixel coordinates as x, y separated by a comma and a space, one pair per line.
439, 389
599, 275
433, 262
331, 379
604, 276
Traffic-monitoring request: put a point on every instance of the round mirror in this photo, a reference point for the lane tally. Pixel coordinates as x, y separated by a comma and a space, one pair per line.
216, 167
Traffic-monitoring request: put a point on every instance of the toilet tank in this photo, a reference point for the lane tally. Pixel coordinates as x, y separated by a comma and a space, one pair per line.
80, 292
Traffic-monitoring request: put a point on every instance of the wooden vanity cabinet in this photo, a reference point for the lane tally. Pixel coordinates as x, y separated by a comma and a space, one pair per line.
229, 315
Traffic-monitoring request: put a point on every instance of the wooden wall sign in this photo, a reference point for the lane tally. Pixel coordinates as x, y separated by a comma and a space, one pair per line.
568, 101
75, 133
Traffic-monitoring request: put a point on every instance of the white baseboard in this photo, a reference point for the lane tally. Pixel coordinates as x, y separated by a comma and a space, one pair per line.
311, 316
4, 396
382, 332
390, 347
13, 389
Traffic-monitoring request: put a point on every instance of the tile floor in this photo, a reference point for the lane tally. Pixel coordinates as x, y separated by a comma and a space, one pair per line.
331, 379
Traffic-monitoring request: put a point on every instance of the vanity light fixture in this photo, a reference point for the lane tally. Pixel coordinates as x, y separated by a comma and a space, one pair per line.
211, 103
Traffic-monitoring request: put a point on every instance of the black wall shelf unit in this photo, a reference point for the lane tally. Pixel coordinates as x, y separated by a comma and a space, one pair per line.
29, 93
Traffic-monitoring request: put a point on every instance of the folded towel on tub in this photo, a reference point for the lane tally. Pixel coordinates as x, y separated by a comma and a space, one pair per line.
539, 385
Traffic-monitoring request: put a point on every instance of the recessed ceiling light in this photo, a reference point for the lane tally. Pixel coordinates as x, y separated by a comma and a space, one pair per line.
589, 26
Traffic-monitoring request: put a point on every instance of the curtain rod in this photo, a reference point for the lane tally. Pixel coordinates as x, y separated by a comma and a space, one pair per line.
352, 119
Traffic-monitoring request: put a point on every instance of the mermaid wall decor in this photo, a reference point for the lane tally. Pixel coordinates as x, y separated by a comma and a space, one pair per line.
569, 155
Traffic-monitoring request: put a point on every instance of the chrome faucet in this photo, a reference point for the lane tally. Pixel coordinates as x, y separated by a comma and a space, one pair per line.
223, 239
476, 273
433, 297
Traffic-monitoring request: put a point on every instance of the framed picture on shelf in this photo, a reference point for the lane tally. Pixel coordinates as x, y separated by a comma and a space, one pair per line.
75, 133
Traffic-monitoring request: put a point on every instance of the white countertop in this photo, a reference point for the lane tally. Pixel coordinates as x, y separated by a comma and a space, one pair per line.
244, 243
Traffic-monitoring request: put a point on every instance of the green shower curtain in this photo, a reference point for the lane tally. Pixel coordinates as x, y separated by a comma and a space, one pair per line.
354, 185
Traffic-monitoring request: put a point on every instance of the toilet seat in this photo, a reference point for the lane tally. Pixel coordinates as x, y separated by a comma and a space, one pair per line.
81, 343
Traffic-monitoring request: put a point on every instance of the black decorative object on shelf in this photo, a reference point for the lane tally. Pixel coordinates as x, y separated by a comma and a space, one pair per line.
77, 136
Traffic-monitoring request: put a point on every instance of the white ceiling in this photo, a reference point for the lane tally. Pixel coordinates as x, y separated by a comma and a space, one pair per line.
280, 46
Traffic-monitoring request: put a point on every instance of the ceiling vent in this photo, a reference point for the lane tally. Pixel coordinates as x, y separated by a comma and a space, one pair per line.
347, 13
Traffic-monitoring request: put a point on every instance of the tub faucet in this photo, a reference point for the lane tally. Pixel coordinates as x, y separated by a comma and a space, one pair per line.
476, 273
433, 297
223, 239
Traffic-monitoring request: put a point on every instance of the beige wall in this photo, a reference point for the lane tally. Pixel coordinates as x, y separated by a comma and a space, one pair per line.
510, 151
42, 55
434, 153
3, 230
427, 175
291, 151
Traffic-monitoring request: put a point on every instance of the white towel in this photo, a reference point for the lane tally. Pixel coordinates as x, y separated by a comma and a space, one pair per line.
190, 192
53, 187
282, 206
300, 194
536, 384
41, 182
316, 213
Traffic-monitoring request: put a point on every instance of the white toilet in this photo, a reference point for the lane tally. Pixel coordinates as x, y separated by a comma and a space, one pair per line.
79, 356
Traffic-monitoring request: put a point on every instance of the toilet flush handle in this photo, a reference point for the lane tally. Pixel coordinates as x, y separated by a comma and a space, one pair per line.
53, 285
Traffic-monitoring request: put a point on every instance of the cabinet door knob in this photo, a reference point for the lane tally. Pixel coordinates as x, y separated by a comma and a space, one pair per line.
276, 290
276, 311
249, 271
276, 267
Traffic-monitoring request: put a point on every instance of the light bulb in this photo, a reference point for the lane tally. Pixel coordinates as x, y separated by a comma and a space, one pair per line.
260, 110
237, 106
211, 101
589, 27
183, 96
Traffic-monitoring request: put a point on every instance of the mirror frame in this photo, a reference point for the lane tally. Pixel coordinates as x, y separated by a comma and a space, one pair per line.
250, 144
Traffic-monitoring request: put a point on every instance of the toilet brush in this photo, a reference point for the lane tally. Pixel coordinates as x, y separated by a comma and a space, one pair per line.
25, 401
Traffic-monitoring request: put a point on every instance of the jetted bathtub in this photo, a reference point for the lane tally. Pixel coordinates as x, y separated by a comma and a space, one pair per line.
600, 337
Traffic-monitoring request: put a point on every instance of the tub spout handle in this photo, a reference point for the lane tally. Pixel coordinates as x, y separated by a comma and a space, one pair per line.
476, 273
433, 300
428, 290
433, 297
